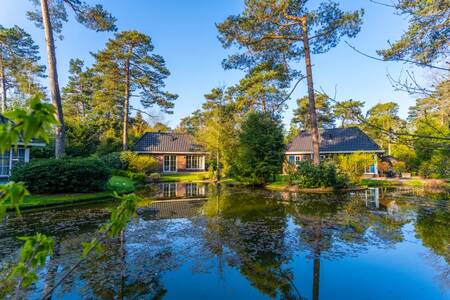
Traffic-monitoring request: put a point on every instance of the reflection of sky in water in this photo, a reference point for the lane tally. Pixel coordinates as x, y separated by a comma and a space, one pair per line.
254, 244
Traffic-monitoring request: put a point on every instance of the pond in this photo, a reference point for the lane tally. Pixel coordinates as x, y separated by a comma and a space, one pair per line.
202, 242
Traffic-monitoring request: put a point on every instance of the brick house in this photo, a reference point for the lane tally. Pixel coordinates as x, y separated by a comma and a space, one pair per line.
175, 152
334, 141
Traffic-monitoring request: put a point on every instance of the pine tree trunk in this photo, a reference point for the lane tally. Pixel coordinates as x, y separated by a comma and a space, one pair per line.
53, 80
312, 102
2, 86
126, 106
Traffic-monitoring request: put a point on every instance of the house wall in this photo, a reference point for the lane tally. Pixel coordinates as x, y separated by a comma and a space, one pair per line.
301, 157
181, 162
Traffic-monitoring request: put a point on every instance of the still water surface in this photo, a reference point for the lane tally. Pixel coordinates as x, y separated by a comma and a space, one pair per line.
230, 243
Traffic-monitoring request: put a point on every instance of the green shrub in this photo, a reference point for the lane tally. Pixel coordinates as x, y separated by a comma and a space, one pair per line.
138, 163
75, 175
113, 161
324, 175
137, 176
354, 165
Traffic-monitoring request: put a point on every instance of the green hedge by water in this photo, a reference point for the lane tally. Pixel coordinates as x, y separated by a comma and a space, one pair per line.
66, 175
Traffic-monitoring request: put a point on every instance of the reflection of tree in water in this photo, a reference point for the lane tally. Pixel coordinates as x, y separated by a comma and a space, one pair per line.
253, 228
332, 227
248, 230
432, 227
101, 276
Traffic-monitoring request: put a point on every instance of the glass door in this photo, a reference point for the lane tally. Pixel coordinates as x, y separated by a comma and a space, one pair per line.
170, 163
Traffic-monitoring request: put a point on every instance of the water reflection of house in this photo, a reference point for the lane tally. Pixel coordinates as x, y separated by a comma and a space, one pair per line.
172, 209
374, 201
180, 190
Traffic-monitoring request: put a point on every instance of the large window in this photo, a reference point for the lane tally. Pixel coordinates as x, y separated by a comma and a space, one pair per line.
18, 156
4, 163
170, 163
195, 162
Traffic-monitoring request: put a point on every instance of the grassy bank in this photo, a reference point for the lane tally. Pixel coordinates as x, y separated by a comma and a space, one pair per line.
119, 184
416, 182
185, 177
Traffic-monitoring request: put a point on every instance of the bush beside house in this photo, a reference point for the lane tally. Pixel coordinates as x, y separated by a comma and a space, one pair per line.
67, 175
308, 176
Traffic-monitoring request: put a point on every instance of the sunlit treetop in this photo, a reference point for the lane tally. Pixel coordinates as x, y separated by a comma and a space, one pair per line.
93, 17
273, 29
428, 34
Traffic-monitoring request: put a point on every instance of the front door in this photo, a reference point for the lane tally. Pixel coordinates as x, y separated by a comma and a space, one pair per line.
170, 163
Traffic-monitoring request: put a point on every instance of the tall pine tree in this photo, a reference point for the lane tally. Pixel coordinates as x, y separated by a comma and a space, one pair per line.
127, 67
50, 15
288, 31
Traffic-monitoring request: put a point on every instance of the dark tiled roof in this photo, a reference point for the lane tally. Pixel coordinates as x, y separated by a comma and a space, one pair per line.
162, 142
335, 140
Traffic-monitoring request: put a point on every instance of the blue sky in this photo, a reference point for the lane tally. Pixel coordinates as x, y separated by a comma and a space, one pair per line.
184, 33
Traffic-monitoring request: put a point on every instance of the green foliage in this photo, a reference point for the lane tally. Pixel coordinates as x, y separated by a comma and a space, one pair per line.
128, 67
324, 175
349, 112
27, 124
383, 123
138, 163
113, 160
92, 17
353, 165
261, 149
426, 39
82, 139
20, 68
266, 33
324, 112
215, 127
438, 166
77, 175
33, 256
11, 196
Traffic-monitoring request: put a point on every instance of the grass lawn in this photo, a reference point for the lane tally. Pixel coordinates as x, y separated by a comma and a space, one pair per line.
119, 184
280, 182
185, 177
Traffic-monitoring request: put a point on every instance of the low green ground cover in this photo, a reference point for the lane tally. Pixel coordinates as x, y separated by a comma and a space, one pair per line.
184, 177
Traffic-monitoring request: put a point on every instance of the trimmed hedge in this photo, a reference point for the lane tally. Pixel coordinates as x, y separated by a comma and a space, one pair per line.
66, 175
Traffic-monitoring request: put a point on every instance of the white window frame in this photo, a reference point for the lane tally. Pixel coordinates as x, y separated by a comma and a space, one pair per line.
169, 169
201, 162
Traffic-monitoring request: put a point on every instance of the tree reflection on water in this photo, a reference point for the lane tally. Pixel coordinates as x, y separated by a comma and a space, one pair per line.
258, 233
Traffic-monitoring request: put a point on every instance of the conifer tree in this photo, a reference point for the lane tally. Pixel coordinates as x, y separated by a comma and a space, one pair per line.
127, 67
50, 15
19, 64
286, 30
